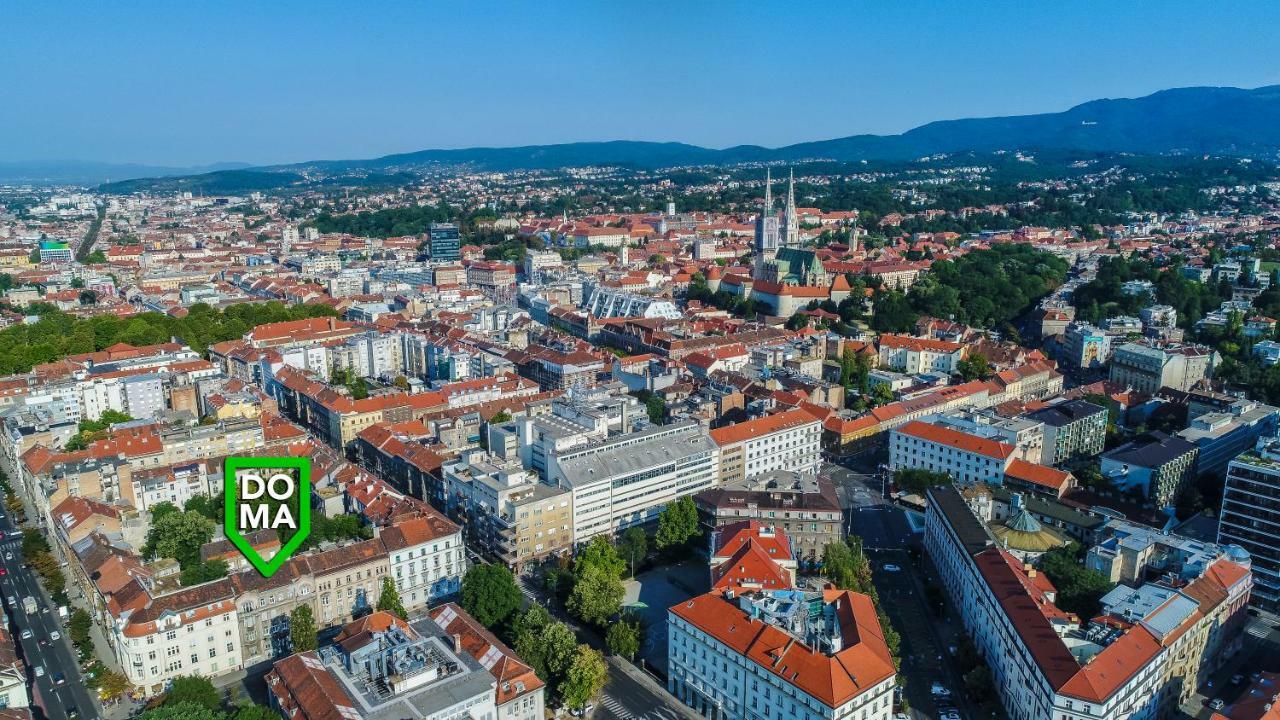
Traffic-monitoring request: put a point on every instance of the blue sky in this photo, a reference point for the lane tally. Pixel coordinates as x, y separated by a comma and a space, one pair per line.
199, 82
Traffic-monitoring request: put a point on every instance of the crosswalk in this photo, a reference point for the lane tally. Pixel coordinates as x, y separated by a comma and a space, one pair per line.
1258, 630
611, 707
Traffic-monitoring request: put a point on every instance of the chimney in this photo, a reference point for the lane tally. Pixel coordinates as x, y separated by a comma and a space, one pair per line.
457, 643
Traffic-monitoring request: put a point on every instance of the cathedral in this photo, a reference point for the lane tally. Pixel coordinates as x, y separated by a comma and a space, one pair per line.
774, 234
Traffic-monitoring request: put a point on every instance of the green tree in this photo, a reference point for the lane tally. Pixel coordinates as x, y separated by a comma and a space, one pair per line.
179, 535
112, 685
596, 596
194, 690
1080, 589
401, 382
974, 367
389, 599
206, 506
585, 677
490, 594
302, 629
203, 571
182, 711
253, 711
623, 638
78, 626
599, 553
918, 480
633, 546
677, 524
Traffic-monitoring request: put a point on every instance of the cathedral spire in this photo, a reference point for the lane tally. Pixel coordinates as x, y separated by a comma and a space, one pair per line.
768, 193
790, 219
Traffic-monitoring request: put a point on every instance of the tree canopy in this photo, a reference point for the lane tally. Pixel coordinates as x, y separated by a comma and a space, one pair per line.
490, 594
56, 334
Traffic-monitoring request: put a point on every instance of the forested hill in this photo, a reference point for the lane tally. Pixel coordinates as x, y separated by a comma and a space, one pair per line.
1187, 121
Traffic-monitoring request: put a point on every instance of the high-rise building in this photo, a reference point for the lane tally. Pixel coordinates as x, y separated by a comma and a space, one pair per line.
1250, 517
444, 242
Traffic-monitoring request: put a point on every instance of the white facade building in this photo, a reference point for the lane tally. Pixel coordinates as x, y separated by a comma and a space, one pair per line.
627, 480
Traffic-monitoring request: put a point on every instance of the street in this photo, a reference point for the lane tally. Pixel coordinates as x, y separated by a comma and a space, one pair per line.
20, 581
887, 537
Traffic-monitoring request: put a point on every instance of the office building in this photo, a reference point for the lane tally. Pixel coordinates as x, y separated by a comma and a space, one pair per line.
444, 242
1146, 367
627, 480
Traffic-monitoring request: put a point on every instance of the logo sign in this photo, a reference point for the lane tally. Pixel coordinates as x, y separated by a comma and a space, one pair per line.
261, 493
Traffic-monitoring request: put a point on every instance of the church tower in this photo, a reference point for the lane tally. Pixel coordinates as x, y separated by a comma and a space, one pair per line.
790, 218
767, 231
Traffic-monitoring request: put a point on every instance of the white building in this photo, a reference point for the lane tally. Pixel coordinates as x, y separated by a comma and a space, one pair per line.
427, 559
627, 480
762, 654
789, 440
1159, 646
966, 458
914, 355
192, 631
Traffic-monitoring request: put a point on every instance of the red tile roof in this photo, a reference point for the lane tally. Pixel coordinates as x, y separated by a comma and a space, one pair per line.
831, 679
760, 427
957, 439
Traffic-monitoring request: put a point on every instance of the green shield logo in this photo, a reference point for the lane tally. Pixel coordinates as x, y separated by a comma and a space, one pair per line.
267, 493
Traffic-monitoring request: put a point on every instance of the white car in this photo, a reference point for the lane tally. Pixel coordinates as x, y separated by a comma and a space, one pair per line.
39, 671
55, 635
939, 689
8, 556
26, 634
891, 568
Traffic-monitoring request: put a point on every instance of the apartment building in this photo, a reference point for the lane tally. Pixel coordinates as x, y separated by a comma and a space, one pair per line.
739, 655
1250, 517
507, 511
383, 667
189, 631
1158, 465
789, 440
1073, 429
628, 479
1149, 652
966, 458
804, 506
1086, 346
1148, 367
427, 559
914, 355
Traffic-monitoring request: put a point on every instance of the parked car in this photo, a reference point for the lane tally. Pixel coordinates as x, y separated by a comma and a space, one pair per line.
39, 671
1216, 704
890, 567
26, 634
939, 690
55, 635
1237, 679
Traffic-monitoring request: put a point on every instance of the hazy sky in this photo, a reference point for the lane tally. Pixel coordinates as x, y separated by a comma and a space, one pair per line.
193, 82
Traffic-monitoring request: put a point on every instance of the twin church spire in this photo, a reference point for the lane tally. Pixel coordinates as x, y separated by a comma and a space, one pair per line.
773, 232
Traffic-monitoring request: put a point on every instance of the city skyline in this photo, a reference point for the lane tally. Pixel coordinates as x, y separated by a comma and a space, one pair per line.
291, 83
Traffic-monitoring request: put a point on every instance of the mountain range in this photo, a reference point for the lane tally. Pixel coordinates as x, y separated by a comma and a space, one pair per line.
1184, 121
